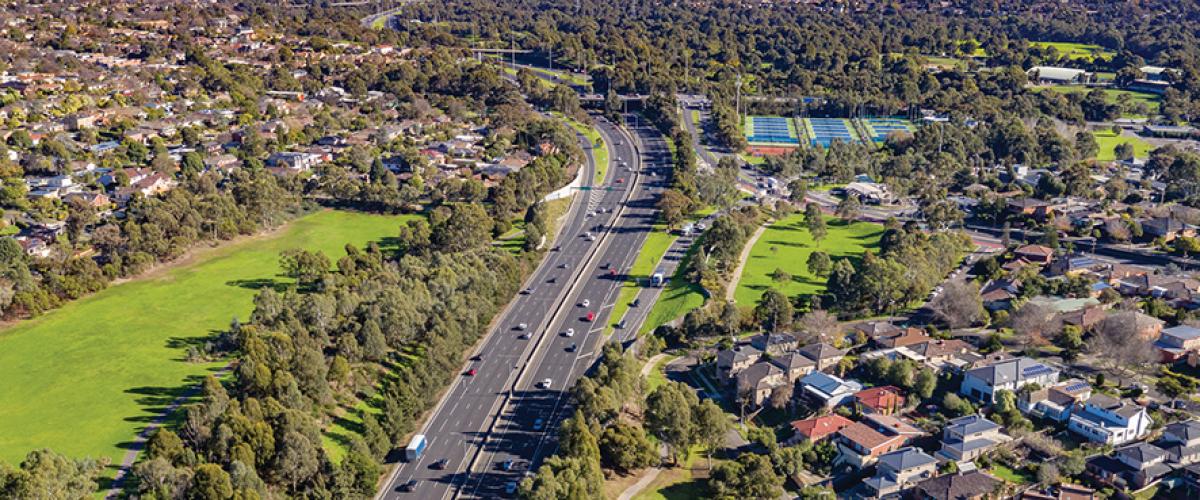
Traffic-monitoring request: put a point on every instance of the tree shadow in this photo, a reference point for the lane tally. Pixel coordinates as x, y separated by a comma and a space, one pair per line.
260, 283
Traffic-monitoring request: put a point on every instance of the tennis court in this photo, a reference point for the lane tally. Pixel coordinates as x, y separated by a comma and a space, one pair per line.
771, 130
823, 131
879, 128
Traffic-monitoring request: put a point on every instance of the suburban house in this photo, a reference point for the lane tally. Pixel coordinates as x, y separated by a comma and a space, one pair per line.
998, 294
1133, 467
818, 428
952, 355
982, 383
884, 400
860, 444
1029, 206
732, 361
1108, 420
825, 355
794, 365
1036, 254
906, 337
900, 470
1181, 441
1176, 342
1055, 402
774, 344
967, 437
973, 485
755, 384
829, 390
1167, 228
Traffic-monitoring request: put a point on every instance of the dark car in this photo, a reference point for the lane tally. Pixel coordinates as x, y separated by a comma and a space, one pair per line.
409, 486
507, 465
439, 465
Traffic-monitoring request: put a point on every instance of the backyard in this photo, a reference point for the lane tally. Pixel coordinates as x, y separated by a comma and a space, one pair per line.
119, 355
787, 244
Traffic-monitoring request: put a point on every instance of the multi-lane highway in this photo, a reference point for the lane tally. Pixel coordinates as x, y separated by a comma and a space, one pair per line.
491, 417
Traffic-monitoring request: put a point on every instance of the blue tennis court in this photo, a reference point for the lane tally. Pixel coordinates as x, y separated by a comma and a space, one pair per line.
823, 131
879, 128
770, 130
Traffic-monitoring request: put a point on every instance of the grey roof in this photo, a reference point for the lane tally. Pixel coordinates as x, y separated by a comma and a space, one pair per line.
964, 485
1011, 370
1142, 453
1101, 400
792, 361
739, 353
821, 351
1184, 332
906, 458
971, 424
753, 375
1187, 431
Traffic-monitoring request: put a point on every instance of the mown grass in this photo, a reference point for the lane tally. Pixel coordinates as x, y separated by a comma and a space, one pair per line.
1108, 141
1082, 51
86, 378
599, 147
1152, 101
786, 245
655, 247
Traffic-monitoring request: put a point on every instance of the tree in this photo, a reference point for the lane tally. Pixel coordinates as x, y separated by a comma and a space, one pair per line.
959, 305
669, 416
925, 383
304, 266
781, 396
575, 439
467, 227
849, 208
711, 426
46, 474
819, 264
750, 476
818, 324
559, 477
674, 206
1118, 343
774, 311
780, 276
1035, 324
210, 483
625, 447
797, 190
814, 220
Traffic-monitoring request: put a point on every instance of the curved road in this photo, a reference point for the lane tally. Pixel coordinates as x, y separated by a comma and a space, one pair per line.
487, 419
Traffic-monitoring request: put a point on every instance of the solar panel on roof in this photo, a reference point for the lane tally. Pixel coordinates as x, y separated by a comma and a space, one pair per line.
1078, 386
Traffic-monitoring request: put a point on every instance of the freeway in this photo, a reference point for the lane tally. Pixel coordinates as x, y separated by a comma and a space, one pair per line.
519, 439
488, 417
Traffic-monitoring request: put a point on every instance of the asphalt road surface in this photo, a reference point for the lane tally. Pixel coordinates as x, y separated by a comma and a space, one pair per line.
489, 418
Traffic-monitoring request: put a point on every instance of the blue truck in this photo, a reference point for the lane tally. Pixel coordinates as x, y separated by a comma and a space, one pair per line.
415, 448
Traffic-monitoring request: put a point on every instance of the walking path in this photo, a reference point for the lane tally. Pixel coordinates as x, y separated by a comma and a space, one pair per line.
652, 473
139, 442
737, 273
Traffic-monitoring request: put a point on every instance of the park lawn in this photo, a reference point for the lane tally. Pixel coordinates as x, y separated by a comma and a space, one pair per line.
118, 355
751, 159
658, 375
1082, 51
680, 297
1153, 102
677, 483
792, 245
1108, 142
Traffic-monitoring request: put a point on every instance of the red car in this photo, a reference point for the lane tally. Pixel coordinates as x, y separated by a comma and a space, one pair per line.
471, 372
591, 316
620, 181
612, 272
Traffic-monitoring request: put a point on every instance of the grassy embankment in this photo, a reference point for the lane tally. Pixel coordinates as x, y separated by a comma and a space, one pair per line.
86, 378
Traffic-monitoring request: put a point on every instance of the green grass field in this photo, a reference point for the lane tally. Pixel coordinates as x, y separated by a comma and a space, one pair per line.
1082, 51
84, 379
599, 154
1152, 102
680, 297
1108, 142
786, 244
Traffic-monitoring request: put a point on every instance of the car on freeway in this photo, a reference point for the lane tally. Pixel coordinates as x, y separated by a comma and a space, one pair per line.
591, 237
591, 316
585, 303
471, 372
507, 464
637, 302
612, 272
522, 326
439, 465
524, 336
510, 487
621, 180
408, 486
546, 383
564, 265
569, 333
538, 424
527, 291
571, 348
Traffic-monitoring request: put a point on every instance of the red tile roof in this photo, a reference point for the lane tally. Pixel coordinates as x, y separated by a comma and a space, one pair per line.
816, 429
881, 399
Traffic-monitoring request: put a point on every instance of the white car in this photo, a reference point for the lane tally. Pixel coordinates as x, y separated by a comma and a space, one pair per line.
585, 303
546, 383
522, 326
570, 332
